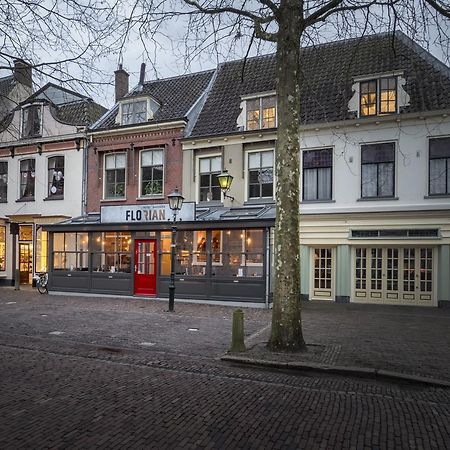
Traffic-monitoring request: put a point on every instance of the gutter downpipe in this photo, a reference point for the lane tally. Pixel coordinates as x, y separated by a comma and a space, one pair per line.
268, 263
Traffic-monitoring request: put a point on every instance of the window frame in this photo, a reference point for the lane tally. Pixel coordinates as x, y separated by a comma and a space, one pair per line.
4, 176
320, 149
247, 175
394, 168
199, 174
38, 107
115, 154
50, 180
447, 168
132, 104
378, 92
260, 111
141, 152
22, 197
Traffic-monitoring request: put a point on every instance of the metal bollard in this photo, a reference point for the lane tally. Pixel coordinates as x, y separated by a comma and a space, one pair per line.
17, 280
237, 335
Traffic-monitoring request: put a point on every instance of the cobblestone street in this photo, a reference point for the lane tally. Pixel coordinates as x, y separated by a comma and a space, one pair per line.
86, 373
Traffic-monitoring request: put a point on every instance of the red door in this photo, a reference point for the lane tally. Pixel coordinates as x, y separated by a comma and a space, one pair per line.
145, 267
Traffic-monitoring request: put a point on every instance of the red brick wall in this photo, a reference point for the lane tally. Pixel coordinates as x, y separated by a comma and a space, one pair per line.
169, 140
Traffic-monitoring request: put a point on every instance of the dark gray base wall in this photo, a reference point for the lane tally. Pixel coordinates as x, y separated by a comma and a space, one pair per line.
444, 304
304, 297
6, 282
342, 299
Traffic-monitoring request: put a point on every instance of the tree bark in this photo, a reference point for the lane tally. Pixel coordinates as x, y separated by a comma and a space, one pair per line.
286, 331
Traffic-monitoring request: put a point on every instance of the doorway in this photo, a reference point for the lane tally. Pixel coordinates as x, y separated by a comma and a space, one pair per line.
145, 267
25, 263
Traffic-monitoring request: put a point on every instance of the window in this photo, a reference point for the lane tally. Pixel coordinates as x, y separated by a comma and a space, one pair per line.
27, 178
41, 250
2, 248
31, 121
439, 169
260, 174
377, 170
115, 175
70, 251
152, 169
317, 173
3, 181
56, 176
209, 169
134, 112
111, 252
378, 96
262, 113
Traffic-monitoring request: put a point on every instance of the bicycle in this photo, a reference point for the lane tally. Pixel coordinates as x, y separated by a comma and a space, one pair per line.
42, 282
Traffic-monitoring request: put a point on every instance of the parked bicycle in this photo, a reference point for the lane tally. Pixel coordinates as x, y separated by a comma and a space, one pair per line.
42, 282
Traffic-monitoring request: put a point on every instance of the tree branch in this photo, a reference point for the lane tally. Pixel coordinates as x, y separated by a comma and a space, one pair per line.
437, 6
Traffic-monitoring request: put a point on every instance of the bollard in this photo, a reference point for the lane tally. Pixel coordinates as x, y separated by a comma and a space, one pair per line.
17, 280
237, 335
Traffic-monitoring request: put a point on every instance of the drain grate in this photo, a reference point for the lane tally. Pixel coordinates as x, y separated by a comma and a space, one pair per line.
110, 349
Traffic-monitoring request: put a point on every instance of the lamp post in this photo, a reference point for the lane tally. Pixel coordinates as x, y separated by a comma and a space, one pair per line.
175, 204
225, 180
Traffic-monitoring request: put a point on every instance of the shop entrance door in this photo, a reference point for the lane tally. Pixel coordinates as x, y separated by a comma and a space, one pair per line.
25, 263
145, 267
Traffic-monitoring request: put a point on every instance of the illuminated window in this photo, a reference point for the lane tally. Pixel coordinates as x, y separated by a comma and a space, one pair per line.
378, 96
70, 251
439, 169
3, 181
115, 165
152, 170
41, 250
56, 176
27, 178
262, 113
2, 248
111, 252
134, 112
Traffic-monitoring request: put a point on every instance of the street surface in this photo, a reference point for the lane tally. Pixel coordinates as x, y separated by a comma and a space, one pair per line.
81, 373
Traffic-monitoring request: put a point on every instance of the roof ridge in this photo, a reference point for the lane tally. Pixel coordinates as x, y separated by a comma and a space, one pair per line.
179, 76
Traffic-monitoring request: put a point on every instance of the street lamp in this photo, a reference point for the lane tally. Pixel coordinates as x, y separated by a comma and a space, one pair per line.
225, 180
175, 204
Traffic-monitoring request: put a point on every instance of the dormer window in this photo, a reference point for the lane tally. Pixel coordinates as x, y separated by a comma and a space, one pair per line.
378, 96
31, 121
261, 113
134, 112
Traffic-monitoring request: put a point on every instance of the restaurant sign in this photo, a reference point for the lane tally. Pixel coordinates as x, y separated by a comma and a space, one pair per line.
145, 213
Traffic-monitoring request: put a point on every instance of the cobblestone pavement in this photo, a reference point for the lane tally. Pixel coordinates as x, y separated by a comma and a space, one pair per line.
85, 373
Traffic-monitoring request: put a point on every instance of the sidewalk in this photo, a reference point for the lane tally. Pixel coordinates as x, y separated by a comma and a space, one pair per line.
409, 343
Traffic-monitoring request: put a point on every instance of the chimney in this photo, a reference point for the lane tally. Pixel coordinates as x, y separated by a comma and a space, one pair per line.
23, 73
142, 75
121, 82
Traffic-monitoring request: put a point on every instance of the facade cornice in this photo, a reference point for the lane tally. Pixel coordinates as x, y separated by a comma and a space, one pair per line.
42, 140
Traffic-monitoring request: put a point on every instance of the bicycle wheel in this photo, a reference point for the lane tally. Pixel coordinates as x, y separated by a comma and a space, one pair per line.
42, 288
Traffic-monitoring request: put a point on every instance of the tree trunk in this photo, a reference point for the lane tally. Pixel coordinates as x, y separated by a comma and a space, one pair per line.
286, 331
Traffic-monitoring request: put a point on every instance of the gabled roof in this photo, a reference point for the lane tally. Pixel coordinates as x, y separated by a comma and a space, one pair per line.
327, 73
176, 96
6, 86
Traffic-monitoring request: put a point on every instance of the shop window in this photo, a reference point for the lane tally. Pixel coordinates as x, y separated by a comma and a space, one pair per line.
261, 113
27, 178
134, 112
260, 175
378, 170
378, 96
439, 166
25, 232
31, 121
111, 252
70, 251
240, 253
56, 176
3, 181
41, 250
115, 165
2, 248
152, 170
317, 174
209, 169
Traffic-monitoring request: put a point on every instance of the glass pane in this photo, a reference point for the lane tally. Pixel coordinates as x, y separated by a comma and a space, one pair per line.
267, 159
310, 184
438, 175
205, 165
216, 164
440, 148
386, 179
369, 180
254, 160
147, 158
324, 184
376, 153
110, 162
121, 160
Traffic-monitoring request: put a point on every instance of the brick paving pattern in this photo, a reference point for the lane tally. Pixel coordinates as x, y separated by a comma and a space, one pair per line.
125, 374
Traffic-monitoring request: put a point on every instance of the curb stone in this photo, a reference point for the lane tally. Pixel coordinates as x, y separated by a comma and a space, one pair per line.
363, 372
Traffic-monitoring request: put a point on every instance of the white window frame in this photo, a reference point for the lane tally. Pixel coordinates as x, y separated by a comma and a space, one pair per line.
48, 177
31, 105
140, 194
197, 175
149, 112
25, 157
246, 175
122, 198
